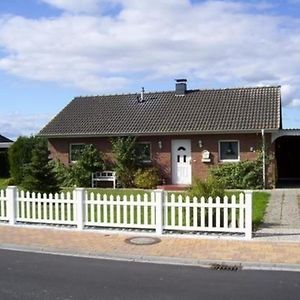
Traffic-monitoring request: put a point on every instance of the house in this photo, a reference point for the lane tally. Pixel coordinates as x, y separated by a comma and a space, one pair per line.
5, 143
182, 132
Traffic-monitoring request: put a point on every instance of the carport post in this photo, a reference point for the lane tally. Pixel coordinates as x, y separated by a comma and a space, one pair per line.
264, 157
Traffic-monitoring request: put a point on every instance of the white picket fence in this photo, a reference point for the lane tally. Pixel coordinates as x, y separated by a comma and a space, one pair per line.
157, 210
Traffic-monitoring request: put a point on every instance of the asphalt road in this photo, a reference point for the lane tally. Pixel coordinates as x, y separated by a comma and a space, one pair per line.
33, 276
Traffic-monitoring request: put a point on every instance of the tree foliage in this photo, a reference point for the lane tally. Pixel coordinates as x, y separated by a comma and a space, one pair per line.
79, 174
91, 160
124, 149
39, 173
19, 155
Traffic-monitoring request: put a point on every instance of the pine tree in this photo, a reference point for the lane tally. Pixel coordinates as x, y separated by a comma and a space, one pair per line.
39, 173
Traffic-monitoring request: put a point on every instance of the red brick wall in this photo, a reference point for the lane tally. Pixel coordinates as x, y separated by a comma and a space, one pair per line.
161, 158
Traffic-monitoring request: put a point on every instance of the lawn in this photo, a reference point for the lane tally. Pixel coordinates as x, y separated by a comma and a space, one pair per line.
260, 199
2, 183
259, 204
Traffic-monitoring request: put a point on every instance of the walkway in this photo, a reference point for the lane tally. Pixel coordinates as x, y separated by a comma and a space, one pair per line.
277, 244
282, 220
196, 251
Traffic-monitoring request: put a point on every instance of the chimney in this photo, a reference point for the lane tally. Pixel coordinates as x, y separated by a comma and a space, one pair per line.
180, 87
142, 94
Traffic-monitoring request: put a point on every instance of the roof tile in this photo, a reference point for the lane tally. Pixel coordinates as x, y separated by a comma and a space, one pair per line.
164, 112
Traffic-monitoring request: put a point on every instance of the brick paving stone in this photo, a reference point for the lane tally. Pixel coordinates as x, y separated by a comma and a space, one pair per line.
86, 242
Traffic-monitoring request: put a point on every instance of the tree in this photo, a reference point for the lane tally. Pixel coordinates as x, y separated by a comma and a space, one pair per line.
19, 155
90, 161
39, 173
124, 149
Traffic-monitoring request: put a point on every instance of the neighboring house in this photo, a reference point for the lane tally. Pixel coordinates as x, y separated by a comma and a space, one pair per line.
182, 132
5, 143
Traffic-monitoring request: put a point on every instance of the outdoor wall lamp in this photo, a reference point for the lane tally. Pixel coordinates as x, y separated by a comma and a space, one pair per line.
159, 144
200, 143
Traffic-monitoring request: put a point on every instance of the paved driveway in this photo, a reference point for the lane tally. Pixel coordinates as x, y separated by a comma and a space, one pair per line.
282, 220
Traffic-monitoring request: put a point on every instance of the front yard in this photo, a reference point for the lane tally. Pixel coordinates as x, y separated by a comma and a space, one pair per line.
260, 198
259, 204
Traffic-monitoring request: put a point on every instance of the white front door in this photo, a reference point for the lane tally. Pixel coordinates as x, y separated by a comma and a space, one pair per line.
181, 162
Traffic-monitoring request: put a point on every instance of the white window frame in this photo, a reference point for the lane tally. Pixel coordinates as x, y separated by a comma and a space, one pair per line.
229, 160
70, 151
150, 144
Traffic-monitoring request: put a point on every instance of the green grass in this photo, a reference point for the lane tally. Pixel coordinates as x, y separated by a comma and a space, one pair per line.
259, 205
260, 200
2, 183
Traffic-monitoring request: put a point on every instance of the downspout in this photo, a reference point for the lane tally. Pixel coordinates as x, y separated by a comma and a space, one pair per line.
263, 157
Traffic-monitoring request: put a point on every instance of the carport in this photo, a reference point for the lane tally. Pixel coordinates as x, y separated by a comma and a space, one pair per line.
287, 154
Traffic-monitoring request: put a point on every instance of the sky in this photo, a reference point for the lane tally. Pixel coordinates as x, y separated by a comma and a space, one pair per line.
54, 50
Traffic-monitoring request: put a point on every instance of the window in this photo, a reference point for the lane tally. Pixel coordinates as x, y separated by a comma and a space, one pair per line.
75, 151
229, 150
143, 151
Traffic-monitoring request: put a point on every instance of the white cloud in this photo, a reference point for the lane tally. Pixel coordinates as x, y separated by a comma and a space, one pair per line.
224, 43
295, 102
15, 124
86, 6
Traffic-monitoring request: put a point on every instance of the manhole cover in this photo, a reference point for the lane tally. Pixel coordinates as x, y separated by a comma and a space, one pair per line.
142, 240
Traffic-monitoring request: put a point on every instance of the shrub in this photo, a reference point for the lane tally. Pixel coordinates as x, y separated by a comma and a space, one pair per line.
240, 175
209, 188
146, 178
62, 173
39, 174
9, 181
19, 155
124, 149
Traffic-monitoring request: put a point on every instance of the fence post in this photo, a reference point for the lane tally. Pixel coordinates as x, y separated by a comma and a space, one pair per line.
248, 214
80, 205
159, 200
11, 194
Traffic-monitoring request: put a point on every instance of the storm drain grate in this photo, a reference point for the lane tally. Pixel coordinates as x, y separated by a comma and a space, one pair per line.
224, 267
142, 240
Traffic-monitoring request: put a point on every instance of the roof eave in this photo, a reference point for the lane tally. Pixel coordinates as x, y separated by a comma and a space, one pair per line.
89, 135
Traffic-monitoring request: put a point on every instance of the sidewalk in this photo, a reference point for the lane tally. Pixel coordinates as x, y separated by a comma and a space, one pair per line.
195, 251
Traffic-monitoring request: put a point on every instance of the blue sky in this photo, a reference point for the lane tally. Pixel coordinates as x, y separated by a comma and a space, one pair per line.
53, 50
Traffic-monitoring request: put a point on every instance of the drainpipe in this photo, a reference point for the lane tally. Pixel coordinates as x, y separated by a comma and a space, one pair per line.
264, 157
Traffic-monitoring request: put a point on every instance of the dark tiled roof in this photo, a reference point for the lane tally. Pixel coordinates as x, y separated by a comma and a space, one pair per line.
3, 139
236, 109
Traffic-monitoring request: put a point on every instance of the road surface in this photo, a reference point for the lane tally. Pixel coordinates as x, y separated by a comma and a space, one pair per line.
25, 275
